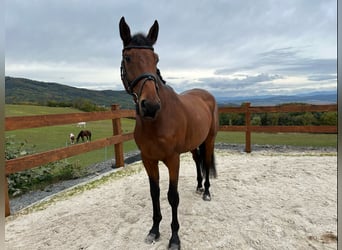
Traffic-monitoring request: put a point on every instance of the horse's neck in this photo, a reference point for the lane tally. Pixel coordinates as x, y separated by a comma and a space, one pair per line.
168, 96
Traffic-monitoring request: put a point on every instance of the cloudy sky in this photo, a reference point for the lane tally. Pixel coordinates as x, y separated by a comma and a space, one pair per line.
229, 47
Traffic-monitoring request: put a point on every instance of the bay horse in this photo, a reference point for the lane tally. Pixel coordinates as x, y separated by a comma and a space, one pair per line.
167, 124
82, 134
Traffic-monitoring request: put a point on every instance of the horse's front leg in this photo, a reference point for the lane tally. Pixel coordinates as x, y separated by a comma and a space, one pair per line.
173, 165
153, 174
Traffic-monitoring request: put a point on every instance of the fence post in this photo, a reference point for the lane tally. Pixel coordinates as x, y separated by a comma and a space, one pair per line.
118, 148
248, 127
7, 205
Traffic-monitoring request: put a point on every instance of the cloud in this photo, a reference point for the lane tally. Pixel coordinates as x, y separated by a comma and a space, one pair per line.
243, 85
200, 44
322, 77
259, 84
310, 66
289, 60
245, 81
286, 61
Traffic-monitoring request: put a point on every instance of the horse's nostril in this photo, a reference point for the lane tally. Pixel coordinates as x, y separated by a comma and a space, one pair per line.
143, 103
149, 109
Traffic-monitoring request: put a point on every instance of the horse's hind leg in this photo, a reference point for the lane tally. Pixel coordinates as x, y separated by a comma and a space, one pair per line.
197, 158
207, 150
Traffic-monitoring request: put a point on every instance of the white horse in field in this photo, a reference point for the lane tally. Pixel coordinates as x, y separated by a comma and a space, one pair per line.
72, 138
81, 124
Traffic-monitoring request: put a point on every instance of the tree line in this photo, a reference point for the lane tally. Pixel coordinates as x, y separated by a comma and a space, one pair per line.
80, 103
282, 119
259, 119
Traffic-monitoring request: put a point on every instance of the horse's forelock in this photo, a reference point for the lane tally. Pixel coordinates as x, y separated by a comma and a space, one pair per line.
140, 40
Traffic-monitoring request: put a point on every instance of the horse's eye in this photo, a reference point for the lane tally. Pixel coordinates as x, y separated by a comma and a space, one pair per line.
127, 59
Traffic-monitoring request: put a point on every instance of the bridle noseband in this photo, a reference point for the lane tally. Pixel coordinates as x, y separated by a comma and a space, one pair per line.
129, 85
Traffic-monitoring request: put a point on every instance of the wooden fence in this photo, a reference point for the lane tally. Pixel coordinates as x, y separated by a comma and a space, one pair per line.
248, 110
34, 160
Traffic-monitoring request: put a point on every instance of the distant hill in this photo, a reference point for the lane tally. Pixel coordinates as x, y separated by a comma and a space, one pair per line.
21, 90
319, 97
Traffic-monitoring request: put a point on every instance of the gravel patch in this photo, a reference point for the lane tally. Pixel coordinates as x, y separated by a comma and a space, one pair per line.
98, 169
93, 171
272, 198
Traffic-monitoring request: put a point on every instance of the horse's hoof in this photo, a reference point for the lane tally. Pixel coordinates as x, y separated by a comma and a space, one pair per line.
152, 238
174, 242
206, 197
174, 246
199, 190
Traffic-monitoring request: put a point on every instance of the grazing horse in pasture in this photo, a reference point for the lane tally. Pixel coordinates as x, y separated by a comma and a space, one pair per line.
82, 134
167, 124
72, 138
81, 124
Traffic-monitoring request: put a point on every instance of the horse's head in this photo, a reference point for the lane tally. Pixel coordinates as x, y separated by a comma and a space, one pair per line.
139, 69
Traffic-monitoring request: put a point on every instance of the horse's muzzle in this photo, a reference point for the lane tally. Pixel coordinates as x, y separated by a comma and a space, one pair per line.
149, 109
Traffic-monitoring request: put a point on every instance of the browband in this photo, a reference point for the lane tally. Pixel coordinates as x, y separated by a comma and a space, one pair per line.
138, 47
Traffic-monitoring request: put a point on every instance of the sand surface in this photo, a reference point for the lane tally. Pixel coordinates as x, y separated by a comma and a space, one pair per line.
262, 200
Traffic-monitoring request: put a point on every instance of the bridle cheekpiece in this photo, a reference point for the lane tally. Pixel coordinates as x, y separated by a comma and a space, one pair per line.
129, 85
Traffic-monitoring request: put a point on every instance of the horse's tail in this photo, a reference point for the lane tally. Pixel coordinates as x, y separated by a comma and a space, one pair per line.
89, 135
212, 165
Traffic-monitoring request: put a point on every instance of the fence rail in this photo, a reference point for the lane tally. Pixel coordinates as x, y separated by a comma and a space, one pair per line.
248, 110
35, 121
38, 159
34, 160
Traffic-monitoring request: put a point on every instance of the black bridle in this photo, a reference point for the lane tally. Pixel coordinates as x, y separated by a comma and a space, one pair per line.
129, 85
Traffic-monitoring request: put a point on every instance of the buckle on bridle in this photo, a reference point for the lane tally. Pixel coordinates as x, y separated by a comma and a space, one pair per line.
135, 97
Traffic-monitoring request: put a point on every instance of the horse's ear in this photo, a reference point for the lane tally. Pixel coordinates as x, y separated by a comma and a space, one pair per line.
153, 33
125, 32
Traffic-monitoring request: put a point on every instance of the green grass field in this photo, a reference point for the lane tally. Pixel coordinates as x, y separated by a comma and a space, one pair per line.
47, 138
52, 137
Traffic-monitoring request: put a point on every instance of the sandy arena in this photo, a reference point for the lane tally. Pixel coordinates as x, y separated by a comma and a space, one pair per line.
262, 200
